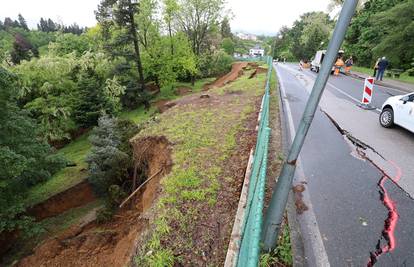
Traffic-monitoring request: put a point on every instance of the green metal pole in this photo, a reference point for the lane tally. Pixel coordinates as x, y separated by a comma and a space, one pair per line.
274, 214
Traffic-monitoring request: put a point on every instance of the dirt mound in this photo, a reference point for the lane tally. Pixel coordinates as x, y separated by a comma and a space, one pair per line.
236, 72
74, 197
152, 88
258, 71
163, 105
112, 243
183, 91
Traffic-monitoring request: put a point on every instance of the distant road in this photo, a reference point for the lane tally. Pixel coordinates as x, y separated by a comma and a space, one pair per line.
341, 185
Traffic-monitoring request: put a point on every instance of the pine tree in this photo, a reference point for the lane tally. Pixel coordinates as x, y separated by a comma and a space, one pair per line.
22, 22
91, 102
122, 14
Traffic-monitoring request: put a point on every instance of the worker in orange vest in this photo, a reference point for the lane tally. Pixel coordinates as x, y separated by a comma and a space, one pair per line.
338, 65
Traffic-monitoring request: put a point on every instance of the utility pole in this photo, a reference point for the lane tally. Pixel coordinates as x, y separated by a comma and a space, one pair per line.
274, 214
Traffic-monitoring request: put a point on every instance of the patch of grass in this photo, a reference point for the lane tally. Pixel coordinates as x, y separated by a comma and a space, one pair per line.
203, 137
282, 255
403, 77
74, 152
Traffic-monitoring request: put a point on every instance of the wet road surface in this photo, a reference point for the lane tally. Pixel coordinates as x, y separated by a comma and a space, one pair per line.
362, 215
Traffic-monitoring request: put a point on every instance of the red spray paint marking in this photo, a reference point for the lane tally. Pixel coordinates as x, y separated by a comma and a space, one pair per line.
391, 222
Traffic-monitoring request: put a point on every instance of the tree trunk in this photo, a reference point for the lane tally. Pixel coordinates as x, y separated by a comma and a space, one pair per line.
171, 39
137, 53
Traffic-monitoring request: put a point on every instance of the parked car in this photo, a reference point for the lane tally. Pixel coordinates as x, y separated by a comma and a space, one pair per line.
398, 110
316, 62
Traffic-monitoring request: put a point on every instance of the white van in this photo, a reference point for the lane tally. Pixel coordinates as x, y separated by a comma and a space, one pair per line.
316, 62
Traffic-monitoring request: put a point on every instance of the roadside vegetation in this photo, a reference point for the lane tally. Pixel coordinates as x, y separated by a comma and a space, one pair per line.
379, 28
71, 97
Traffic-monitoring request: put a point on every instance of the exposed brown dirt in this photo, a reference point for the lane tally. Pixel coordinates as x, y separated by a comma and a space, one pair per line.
164, 105
152, 88
112, 243
258, 71
236, 72
183, 91
63, 201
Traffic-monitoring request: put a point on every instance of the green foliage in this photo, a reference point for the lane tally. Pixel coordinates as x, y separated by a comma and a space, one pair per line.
308, 34
228, 46
215, 64
65, 93
24, 160
68, 43
110, 161
282, 254
382, 28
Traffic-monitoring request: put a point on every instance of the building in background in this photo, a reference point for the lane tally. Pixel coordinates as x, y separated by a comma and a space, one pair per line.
243, 36
257, 51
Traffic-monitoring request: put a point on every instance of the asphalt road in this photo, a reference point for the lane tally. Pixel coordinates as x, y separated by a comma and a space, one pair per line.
358, 200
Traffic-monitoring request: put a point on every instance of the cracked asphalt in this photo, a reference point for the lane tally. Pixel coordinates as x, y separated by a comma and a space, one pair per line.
344, 158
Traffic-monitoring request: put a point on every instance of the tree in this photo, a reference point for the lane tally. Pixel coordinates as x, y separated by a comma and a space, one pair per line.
226, 29
315, 33
364, 33
228, 46
170, 11
122, 14
22, 49
22, 22
24, 159
8, 23
196, 18
396, 34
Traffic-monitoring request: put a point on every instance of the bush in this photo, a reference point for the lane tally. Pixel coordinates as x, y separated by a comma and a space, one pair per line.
215, 64
410, 72
110, 162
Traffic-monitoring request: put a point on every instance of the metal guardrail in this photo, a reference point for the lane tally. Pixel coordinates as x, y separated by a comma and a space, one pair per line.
249, 253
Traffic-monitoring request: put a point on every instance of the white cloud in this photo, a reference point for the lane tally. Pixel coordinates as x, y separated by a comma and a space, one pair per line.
253, 16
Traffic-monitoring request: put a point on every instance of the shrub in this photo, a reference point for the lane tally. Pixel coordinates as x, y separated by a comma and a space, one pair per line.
215, 64
110, 162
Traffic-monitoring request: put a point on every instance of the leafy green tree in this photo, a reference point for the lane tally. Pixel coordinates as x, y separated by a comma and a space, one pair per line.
170, 11
226, 29
228, 46
121, 14
364, 33
68, 42
396, 38
196, 18
315, 33
24, 159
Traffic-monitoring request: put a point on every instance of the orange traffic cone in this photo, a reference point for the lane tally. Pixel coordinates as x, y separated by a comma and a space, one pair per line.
336, 73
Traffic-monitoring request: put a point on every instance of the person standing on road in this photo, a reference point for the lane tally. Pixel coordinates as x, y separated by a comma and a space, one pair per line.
348, 65
338, 65
376, 67
382, 66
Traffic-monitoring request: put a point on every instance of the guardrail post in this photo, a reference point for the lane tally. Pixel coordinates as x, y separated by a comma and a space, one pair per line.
274, 214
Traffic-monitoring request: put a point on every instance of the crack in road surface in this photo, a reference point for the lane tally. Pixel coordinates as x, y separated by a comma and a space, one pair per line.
390, 223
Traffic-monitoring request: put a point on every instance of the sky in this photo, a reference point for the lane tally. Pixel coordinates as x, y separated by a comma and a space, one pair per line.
249, 16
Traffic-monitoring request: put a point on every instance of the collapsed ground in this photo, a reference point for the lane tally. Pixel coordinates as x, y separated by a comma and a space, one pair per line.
185, 214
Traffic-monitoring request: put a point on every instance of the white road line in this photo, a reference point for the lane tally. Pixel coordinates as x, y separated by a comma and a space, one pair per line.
310, 229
